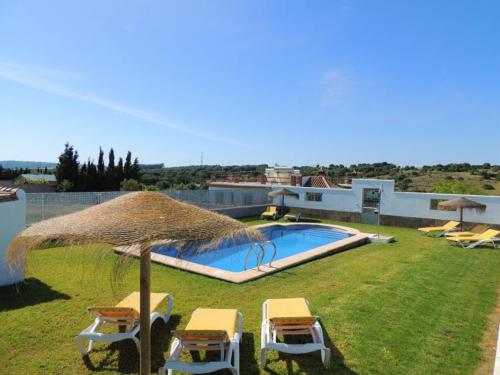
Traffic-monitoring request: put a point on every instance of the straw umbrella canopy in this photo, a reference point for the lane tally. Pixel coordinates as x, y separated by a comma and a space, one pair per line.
135, 218
281, 193
463, 204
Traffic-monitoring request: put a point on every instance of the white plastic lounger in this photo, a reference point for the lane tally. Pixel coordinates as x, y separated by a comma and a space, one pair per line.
208, 330
127, 314
291, 316
489, 237
441, 231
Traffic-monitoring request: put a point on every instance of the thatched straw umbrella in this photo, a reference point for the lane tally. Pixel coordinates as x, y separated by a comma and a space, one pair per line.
135, 218
463, 203
282, 193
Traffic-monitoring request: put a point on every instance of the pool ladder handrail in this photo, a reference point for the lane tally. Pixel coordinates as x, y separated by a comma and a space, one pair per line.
261, 254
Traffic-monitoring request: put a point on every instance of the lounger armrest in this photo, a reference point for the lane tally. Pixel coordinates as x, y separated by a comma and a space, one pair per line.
114, 312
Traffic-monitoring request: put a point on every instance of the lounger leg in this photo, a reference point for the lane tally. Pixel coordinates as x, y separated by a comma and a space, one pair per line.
325, 357
263, 358
81, 347
237, 359
137, 344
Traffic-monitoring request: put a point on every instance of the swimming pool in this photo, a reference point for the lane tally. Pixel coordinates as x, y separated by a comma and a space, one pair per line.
286, 245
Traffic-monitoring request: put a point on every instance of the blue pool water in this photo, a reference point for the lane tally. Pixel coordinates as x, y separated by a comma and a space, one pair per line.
289, 240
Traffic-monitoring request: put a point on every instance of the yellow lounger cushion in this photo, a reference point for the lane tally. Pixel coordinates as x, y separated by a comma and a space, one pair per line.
478, 229
130, 306
211, 320
449, 225
488, 235
270, 211
287, 308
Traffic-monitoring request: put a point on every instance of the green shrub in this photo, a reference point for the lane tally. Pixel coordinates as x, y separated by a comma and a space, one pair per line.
488, 187
131, 185
457, 187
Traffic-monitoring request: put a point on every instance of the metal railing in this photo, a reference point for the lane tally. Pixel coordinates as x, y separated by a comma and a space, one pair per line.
41, 206
261, 254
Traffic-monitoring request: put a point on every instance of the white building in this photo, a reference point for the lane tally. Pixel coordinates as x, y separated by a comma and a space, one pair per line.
363, 201
12, 221
282, 175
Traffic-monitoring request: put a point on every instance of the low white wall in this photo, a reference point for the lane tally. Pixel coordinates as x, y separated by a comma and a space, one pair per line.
416, 205
12, 221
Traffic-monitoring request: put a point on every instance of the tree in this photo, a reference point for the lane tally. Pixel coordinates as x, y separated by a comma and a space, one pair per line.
135, 169
110, 171
67, 168
119, 176
91, 180
127, 168
131, 185
101, 171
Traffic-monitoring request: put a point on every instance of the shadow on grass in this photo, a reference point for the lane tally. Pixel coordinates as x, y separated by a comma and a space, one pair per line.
122, 356
28, 293
248, 364
311, 362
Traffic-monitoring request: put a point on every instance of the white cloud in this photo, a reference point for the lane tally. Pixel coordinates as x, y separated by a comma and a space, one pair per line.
43, 79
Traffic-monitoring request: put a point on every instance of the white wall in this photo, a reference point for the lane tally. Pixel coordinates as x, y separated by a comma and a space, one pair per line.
12, 221
392, 203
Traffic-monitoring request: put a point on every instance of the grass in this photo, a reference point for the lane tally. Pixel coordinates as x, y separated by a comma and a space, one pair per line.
417, 306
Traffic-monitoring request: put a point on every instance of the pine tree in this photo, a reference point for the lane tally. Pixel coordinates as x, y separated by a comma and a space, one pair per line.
67, 169
82, 184
91, 176
119, 173
110, 171
135, 170
127, 168
101, 171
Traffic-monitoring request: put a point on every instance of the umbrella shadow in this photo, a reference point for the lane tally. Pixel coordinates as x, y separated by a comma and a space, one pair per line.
28, 293
306, 361
122, 356
248, 363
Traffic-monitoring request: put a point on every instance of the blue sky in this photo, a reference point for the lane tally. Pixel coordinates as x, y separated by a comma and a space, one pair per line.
288, 82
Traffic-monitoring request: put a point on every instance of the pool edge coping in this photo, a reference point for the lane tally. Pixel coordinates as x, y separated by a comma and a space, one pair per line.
358, 238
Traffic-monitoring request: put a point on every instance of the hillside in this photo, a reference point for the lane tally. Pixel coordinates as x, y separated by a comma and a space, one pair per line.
13, 164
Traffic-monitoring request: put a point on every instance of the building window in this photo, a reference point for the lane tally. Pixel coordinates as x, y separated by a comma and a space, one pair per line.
314, 197
435, 202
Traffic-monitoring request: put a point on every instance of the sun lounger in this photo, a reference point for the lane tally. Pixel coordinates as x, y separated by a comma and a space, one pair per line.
217, 330
442, 230
293, 217
469, 242
271, 212
125, 314
291, 316
478, 229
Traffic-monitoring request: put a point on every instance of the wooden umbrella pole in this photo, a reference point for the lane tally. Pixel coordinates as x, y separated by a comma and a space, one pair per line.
145, 275
461, 219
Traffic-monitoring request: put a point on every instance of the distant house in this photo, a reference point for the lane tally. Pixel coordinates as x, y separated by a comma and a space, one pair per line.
30, 178
34, 183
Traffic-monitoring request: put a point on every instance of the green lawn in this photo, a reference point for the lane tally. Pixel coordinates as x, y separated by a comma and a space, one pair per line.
417, 306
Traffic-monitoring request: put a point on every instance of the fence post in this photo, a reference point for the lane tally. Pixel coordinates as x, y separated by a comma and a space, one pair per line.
43, 206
